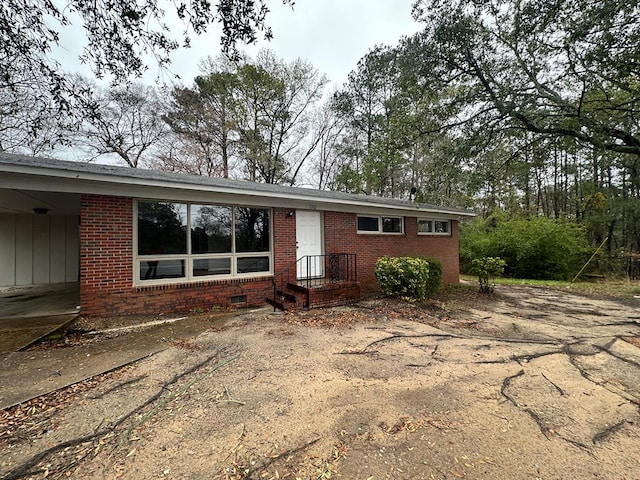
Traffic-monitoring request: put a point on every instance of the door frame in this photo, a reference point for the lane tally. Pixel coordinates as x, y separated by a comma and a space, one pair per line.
301, 273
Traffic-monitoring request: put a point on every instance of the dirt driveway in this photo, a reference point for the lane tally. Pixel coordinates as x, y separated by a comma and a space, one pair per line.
534, 384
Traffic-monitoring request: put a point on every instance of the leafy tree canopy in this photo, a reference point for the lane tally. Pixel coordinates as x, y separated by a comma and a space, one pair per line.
567, 68
119, 34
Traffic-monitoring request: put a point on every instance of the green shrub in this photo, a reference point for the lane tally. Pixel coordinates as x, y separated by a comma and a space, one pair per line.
487, 269
434, 281
537, 248
407, 276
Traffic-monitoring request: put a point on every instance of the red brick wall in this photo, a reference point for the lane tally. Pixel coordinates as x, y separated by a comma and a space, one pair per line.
284, 239
182, 297
106, 249
341, 237
334, 294
106, 261
106, 266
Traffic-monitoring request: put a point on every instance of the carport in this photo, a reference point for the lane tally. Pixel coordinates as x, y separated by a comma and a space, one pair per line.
39, 259
39, 237
28, 313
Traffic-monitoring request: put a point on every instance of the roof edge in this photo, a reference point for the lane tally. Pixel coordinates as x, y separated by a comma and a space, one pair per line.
111, 174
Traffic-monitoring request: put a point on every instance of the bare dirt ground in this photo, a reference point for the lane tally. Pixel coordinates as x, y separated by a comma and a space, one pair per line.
529, 384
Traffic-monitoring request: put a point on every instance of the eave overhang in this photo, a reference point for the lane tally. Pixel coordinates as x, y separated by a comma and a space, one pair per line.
30, 173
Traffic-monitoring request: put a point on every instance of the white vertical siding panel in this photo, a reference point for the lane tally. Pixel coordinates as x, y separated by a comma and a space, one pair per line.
57, 248
7, 249
24, 249
41, 249
72, 257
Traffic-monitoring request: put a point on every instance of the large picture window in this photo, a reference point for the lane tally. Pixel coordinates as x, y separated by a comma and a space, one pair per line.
180, 241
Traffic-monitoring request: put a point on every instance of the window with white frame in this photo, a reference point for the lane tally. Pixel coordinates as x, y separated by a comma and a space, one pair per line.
427, 226
380, 224
187, 241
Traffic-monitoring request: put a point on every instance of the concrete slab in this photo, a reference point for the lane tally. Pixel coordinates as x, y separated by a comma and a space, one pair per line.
17, 333
30, 301
28, 374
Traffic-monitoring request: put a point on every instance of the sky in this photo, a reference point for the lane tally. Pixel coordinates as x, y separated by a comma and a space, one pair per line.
331, 34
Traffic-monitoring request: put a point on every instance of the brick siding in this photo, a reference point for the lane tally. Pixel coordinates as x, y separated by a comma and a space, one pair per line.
334, 294
106, 266
106, 262
341, 237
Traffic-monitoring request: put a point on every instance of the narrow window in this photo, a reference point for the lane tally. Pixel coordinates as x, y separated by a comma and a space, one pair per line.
441, 226
371, 224
391, 224
368, 224
427, 226
252, 229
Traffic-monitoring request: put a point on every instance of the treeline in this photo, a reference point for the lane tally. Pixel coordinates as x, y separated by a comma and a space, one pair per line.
522, 107
528, 108
255, 119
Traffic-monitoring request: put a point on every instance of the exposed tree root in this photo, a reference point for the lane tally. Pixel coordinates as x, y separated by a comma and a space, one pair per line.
560, 390
581, 446
607, 432
532, 356
366, 351
605, 385
116, 387
400, 336
26, 467
505, 384
619, 357
266, 463
536, 418
621, 324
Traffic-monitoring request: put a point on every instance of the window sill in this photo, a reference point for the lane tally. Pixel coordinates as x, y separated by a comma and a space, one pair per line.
150, 285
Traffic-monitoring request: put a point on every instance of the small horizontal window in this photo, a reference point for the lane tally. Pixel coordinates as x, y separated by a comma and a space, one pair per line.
211, 266
392, 225
433, 227
253, 264
158, 269
368, 224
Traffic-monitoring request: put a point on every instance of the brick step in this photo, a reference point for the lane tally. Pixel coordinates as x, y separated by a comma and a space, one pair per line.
287, 296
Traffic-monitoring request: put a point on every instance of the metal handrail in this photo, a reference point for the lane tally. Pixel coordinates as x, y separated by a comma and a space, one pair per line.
318, 270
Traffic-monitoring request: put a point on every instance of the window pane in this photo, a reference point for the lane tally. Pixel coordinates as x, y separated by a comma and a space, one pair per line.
211, 266
368, 224
425, 226
253, 264
162, 228
210, 229
441, 226
156, 269
392, 224
252, 230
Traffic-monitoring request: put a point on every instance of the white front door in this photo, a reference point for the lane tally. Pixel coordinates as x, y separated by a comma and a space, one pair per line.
309, 244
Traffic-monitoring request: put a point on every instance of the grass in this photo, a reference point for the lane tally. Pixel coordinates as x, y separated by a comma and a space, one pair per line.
621, 288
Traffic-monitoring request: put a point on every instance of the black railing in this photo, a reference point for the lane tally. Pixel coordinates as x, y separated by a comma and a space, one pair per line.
313, 271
